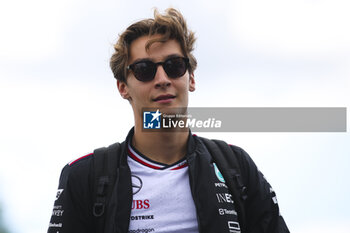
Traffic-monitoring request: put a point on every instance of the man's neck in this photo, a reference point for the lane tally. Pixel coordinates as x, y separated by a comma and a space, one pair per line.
163, 147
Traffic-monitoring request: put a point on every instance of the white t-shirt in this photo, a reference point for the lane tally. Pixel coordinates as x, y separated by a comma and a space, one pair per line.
162, 199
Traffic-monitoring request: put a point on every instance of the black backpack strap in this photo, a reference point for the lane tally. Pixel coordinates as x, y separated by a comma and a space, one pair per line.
106, 163
228, 164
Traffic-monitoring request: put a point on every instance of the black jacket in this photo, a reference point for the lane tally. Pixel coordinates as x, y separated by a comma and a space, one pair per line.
72, 211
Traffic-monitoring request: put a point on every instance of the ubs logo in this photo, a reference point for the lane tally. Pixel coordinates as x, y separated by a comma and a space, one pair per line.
136, 184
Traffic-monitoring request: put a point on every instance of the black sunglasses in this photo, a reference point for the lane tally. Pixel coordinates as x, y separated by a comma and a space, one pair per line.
145, 70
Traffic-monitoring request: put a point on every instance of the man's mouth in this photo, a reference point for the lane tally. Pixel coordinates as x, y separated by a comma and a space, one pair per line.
164, 98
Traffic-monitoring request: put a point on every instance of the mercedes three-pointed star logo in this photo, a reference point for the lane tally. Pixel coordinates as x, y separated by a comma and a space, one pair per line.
136, 184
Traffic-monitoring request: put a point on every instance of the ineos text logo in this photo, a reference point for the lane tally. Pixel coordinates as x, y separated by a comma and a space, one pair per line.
136, 184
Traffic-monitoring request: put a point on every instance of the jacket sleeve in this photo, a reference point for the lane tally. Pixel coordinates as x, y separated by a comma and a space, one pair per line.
72, 211
262, 210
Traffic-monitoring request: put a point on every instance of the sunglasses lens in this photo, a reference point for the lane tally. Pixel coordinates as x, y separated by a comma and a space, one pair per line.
175, 67
144, 71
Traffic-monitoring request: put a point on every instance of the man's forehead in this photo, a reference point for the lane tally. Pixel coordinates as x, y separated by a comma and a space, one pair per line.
157, 50
157, 59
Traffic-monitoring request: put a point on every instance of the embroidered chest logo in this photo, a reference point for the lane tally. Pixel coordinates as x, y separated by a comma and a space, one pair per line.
218, 173
58, 194
136, 184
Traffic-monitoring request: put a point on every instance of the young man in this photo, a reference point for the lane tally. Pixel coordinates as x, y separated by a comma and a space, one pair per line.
166, 180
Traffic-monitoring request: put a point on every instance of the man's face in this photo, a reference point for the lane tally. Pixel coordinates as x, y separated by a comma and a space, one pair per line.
162, 91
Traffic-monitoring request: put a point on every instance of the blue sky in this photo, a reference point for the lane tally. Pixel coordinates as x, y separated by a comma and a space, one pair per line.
55, 84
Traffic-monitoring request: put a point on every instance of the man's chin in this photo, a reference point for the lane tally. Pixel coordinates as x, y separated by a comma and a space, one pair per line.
173, 110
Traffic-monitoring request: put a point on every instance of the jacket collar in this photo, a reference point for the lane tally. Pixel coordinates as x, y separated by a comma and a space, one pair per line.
192, 144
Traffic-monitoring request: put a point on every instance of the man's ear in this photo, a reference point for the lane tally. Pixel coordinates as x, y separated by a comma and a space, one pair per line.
123, 89
192, 86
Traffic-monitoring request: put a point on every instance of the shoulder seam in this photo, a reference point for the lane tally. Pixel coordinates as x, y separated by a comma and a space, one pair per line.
78, 159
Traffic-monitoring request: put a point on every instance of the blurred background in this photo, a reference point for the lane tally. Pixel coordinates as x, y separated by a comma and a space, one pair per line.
59, 100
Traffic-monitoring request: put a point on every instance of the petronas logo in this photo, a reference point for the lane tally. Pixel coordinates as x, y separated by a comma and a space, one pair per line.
218, 173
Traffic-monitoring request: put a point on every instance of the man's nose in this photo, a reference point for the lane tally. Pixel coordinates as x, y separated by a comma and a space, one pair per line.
161, 79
